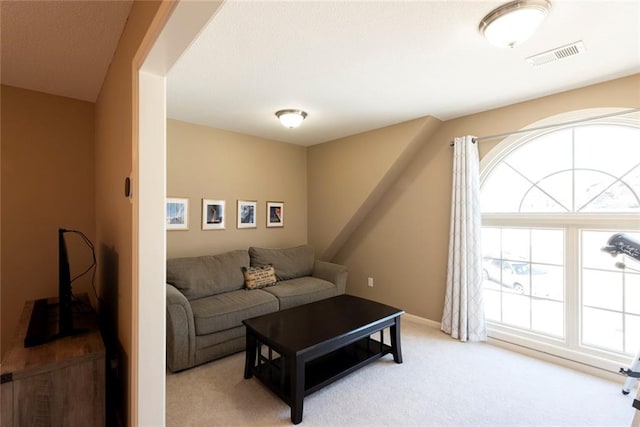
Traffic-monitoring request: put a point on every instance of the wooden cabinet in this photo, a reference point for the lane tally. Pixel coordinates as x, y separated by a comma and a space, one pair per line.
59, 383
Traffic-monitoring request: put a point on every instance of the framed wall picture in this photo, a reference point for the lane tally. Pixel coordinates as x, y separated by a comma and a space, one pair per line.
177, 213
247, 213
275, 214
213, 214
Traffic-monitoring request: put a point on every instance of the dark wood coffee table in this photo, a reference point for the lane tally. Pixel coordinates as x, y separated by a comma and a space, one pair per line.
310, 346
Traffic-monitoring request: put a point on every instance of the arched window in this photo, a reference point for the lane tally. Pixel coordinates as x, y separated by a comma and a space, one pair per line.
550, 201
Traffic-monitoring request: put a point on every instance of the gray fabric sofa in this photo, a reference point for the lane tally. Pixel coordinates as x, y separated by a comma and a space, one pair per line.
207, 299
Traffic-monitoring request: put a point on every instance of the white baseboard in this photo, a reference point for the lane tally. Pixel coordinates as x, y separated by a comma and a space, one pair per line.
416, 319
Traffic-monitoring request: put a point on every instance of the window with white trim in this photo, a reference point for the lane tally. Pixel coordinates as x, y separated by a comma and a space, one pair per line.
550, 201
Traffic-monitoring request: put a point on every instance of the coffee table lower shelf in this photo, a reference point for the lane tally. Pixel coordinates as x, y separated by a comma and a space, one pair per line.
295, 361
322, 371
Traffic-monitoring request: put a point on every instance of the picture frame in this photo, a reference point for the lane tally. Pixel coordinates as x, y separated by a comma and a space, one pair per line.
213, 214
275, 214
247, 213
177, 213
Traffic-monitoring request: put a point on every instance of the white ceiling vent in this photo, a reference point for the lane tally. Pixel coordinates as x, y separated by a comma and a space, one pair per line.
556, 54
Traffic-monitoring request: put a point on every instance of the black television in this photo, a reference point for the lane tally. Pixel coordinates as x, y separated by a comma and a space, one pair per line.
43, 326
65, 317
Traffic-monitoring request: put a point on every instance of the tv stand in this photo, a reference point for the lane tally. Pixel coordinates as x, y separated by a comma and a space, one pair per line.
44, 325
60, 381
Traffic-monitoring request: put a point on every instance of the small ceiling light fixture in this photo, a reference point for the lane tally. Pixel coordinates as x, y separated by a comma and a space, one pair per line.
291, 118
514, 22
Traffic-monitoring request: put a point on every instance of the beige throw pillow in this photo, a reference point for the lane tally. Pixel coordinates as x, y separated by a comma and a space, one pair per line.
259, 277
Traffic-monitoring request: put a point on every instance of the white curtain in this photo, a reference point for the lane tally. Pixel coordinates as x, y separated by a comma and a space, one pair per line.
463, 316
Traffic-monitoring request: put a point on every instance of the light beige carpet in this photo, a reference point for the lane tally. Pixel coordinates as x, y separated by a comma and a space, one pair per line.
442, 382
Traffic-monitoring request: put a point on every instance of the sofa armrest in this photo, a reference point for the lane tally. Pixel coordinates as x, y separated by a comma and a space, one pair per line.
181, 332
334, 273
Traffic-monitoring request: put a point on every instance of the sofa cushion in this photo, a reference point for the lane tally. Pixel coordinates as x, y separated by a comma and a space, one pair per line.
202, 276
289, 263
302, 290
259, 277
209, 340
224, 311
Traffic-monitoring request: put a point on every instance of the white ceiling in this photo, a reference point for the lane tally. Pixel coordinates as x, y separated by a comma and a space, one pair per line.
60, 47
354, 66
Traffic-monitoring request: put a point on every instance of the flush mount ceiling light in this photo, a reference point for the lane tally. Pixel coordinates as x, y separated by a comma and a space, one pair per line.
291, 118
514, 22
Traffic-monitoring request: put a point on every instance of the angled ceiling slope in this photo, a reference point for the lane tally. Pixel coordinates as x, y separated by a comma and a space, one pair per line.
60, 47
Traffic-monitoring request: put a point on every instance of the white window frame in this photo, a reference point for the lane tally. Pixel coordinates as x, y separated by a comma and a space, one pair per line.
570, 347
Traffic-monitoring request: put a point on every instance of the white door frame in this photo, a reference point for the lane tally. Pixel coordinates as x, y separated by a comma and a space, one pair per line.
173, 30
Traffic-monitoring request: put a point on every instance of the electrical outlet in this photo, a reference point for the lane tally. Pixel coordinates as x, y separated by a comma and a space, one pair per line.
370, 282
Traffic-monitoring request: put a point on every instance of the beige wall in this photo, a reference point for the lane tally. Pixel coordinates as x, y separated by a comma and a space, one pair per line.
47, 183
114, 119
403, 243
204, 162
348, 176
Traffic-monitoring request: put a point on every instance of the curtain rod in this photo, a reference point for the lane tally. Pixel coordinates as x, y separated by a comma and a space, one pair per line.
572, 122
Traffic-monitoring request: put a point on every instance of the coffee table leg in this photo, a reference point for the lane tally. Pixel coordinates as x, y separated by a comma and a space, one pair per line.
250, 355
297, 389
395, 341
